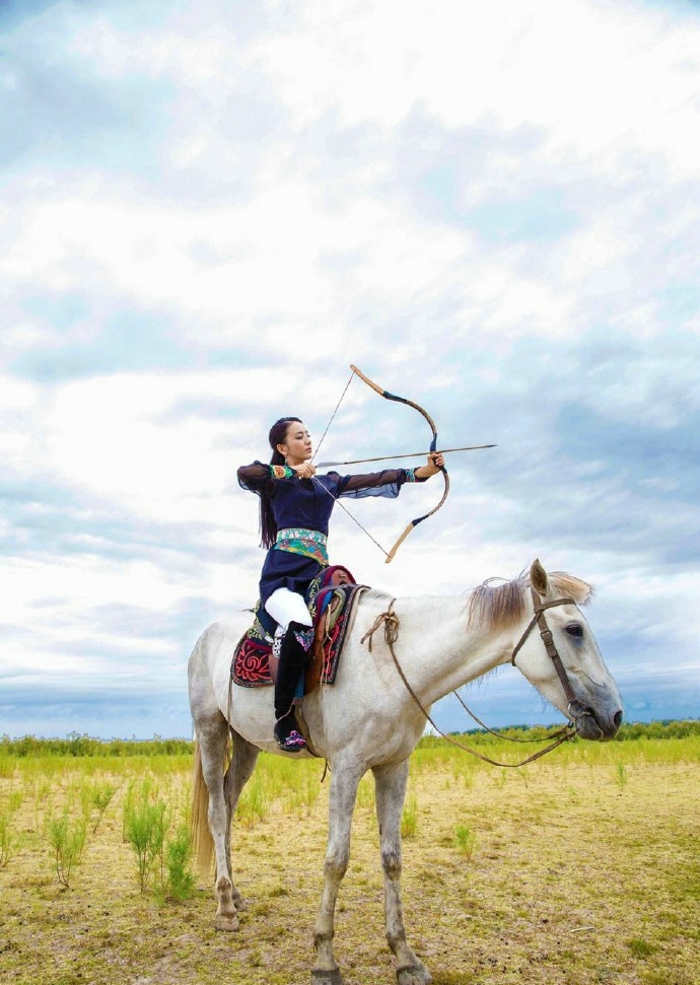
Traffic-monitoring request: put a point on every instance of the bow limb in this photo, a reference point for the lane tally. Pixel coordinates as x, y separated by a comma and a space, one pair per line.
414, 523
433, 446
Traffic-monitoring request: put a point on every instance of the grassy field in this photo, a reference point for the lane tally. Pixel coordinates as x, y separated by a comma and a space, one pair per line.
580, 868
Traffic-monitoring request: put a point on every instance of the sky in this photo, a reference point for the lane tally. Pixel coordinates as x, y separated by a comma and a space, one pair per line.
209, 210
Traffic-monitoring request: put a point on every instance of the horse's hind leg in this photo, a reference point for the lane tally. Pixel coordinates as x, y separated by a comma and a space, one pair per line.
212, 738
390, 787
240, 770
212, 733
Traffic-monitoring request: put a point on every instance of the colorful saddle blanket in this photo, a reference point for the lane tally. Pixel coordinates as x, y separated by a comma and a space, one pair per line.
331, 599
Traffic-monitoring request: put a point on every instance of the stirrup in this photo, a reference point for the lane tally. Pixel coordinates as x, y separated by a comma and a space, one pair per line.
293, 742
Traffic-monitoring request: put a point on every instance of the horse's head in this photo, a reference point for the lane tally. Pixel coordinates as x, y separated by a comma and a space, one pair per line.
557, 652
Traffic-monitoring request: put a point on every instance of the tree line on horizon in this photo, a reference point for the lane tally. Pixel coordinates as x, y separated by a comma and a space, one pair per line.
78, 745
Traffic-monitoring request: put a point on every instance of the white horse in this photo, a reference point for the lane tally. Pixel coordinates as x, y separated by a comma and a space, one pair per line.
369, 720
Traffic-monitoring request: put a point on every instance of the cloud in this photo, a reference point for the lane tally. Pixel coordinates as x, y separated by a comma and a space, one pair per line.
207, 215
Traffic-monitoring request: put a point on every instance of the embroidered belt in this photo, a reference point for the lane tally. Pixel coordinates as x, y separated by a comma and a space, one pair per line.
310, 543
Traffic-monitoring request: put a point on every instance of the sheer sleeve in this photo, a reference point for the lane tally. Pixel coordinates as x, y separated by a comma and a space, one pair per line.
386, 483
256, 478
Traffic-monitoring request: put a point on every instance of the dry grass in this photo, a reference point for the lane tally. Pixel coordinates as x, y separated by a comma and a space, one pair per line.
583, 869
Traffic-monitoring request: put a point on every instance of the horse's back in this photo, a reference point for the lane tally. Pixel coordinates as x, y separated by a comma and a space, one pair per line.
209, 665
216, 638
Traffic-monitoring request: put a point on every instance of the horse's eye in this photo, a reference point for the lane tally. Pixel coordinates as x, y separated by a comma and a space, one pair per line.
575, 629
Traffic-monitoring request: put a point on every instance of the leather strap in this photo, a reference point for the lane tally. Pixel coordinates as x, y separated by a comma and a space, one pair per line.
391, 631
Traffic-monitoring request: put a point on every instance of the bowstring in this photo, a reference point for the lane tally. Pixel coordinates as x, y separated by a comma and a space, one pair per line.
337, 408
319, 485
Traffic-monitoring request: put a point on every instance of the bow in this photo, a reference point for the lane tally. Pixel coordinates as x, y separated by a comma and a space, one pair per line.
433, 447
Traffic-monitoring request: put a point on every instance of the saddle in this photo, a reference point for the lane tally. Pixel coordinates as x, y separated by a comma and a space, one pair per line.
332, 599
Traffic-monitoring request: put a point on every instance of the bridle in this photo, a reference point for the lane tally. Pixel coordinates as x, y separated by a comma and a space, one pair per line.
574, 708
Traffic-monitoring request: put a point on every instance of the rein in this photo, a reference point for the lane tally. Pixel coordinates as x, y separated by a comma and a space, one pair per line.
548, 640
391, 633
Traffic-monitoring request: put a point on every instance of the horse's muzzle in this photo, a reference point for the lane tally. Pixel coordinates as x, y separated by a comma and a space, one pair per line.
593, 725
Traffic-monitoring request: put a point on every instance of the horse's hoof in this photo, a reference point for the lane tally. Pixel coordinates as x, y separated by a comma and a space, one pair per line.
415, 974
223, 922
332, 977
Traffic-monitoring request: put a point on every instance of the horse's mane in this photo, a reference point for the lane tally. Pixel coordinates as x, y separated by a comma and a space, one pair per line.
500, 606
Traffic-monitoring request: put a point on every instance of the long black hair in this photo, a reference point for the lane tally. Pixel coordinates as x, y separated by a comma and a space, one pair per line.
277, 436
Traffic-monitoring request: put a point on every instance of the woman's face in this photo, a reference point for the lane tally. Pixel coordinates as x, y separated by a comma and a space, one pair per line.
297, 444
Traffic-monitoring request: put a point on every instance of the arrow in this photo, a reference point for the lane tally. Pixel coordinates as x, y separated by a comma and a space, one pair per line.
412, 454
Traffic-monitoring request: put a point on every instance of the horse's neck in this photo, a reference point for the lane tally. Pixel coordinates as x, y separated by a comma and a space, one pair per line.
436, 648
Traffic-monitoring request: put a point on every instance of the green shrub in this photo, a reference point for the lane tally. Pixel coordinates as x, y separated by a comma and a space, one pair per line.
178, 881
66, 836
145, 824
9, 839
465, 839
100, 797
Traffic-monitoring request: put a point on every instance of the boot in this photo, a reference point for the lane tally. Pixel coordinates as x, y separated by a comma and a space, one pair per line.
289, 670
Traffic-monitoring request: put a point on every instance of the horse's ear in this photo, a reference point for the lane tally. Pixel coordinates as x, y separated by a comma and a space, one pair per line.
538, 577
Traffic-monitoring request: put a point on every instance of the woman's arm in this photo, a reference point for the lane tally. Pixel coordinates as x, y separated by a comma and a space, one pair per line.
388, 482
257, 477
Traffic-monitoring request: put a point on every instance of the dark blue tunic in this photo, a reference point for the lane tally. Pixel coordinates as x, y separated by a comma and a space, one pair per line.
306, 503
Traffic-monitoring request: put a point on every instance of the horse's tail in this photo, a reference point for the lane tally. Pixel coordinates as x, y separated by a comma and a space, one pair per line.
200, 835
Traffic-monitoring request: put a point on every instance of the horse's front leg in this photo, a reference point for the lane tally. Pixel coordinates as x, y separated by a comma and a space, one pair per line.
390, 785
343, 793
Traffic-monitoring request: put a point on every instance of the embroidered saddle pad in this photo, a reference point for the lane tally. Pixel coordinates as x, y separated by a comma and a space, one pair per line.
331, 598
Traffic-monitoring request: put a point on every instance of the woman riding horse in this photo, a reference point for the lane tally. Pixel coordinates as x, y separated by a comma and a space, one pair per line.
295, 509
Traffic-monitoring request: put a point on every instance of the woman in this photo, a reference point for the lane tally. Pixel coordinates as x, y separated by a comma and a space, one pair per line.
295, 508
